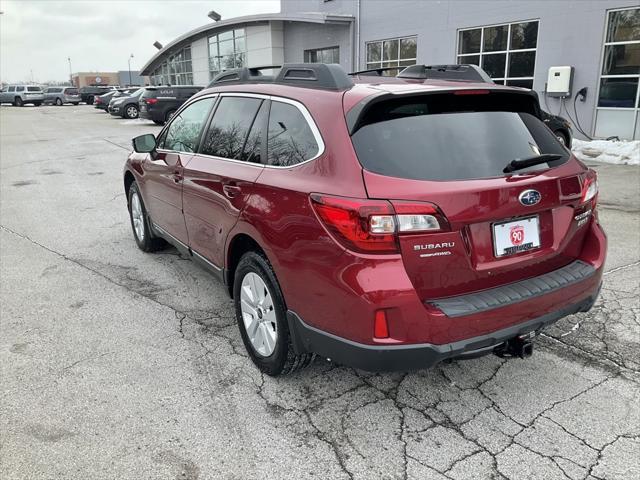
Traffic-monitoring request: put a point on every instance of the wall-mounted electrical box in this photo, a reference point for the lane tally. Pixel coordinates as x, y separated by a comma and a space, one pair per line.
559, 81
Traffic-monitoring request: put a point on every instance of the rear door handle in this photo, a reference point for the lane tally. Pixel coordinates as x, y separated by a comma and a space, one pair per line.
231, 191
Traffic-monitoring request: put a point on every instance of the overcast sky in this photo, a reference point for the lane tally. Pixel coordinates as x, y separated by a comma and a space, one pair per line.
37, 36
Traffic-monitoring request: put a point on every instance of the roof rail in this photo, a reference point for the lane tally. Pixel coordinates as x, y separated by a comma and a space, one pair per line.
461, 72
243, 75
374, 72
310, 75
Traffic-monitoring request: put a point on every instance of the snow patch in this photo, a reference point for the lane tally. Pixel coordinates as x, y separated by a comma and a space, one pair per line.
608, 151
138, 121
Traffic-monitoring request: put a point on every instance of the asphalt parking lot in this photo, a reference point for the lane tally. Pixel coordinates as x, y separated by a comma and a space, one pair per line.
117, 364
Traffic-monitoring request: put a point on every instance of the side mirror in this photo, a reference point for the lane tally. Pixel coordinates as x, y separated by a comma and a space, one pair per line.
145, 143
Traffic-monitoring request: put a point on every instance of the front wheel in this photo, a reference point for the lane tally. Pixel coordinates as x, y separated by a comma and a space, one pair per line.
131, 111
261, 316
142, 233
18, 102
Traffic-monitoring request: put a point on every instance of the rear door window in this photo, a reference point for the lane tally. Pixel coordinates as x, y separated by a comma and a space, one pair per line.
228, 131
184, 130
12, 89
431, 139
254, 145
290, 139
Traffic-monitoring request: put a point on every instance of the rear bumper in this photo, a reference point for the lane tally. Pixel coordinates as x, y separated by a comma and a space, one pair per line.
384, 358
154, 115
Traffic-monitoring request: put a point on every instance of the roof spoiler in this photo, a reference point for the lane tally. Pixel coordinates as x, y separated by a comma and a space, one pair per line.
310, 75
459, 72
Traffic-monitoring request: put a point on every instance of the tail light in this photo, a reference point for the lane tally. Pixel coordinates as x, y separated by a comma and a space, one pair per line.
373, 226
151, 101
590, 189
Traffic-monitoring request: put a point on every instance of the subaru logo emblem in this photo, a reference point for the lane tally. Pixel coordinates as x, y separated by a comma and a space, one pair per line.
529, 197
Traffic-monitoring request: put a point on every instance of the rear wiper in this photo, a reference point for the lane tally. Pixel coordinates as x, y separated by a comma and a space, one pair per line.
519, 163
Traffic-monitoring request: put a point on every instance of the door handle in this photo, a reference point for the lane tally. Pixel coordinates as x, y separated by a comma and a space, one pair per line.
231, 191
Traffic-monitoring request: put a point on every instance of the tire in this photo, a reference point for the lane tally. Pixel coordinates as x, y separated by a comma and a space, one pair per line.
562, 137
169, 115
130, 111
75, 103
256, 290
158, 122
37, 104
90, 100
142, 233
18, 102
58, 102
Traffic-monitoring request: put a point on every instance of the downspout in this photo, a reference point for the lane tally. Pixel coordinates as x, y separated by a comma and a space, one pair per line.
357, 62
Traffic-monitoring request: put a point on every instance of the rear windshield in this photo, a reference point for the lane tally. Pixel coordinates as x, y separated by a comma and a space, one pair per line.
71, 91
149, 93
429, 139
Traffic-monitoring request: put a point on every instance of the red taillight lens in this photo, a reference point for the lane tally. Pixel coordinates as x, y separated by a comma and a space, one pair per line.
373, 226
590, 188
348, 220
151, 101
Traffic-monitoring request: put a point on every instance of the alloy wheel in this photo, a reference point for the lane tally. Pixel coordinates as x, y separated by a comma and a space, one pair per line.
258, 314
132, 112
137, 216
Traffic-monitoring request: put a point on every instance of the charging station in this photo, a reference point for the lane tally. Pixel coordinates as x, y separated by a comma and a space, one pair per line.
559, 81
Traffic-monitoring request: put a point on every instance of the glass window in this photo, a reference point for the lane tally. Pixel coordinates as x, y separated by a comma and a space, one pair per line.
322, 55
252, 151
464, 139
618, 92
624, 26
503, 51
227, 50
621, 59
520, 83
494, 64
392, 53
524, 35
20, 89
470, 41
620, 76
184, 131
495, 38
12, 89
290, 139
228, 130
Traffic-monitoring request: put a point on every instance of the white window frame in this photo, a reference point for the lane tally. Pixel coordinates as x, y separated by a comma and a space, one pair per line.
508, 51
605, 44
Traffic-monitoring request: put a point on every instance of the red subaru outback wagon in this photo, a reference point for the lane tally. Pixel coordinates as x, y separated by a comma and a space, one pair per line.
383, 223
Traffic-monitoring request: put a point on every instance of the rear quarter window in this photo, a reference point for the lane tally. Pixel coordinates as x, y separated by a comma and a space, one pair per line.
290, 139
34, 89
71, 91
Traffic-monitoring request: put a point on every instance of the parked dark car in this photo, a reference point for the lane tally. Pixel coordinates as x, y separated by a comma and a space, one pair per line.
89, 94
160, 103
126, 105
560, 127
386, 226
101, 102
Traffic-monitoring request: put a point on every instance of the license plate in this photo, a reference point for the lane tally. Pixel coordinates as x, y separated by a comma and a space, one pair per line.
516, 236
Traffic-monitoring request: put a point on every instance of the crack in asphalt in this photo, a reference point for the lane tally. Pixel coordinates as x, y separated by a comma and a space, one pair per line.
398, 396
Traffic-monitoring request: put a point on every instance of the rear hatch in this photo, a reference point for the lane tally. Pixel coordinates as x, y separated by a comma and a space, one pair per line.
148, 98
440, 160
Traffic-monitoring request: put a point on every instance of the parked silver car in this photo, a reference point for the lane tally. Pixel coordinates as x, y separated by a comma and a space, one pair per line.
62, 95
20, 95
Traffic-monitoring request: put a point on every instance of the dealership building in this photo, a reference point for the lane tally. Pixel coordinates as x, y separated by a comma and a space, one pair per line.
516, 42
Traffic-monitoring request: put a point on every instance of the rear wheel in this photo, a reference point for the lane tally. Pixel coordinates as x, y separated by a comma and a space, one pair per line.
261, 316
169, 115
90, 100
562, 137
131, 111
58, 102
142, 233
18, 102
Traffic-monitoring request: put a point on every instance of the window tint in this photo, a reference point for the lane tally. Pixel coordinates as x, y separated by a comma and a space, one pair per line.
437, 139
252, 151
71, 91
290, 139
229, 127
12, 89
184, 130
19, 89
33, 89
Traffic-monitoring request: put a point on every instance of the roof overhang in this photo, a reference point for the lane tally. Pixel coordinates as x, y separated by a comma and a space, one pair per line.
213, 27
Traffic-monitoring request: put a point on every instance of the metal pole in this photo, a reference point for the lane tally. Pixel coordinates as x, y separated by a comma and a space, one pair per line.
130, 69
70, 72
